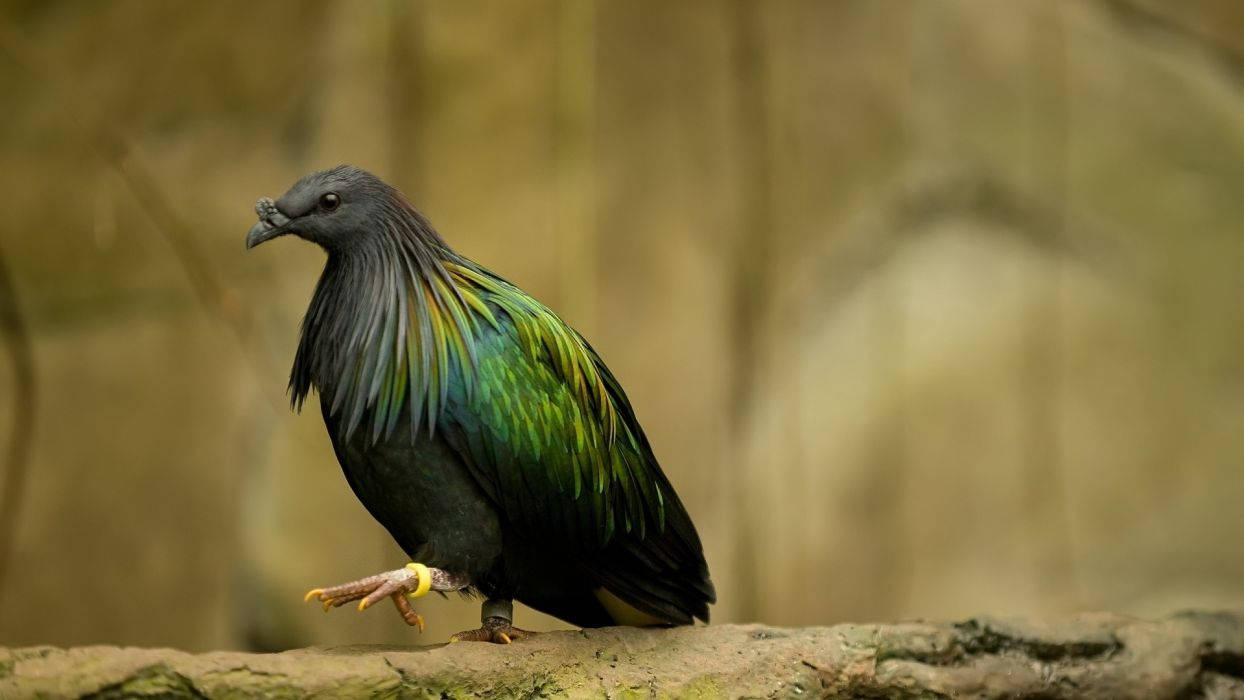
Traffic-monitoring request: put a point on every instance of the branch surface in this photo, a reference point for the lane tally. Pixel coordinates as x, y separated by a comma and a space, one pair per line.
1098, 655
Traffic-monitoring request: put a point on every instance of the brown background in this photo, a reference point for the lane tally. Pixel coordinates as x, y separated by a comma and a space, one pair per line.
928, 308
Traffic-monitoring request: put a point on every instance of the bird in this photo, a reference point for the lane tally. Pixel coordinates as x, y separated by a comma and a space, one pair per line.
477, 427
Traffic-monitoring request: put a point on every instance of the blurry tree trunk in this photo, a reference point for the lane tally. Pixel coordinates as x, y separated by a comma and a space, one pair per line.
574, 162
407, 92
751, 278
1045, 485
17, 458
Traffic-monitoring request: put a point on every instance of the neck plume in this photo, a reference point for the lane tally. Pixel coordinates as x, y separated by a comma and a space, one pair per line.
388, 327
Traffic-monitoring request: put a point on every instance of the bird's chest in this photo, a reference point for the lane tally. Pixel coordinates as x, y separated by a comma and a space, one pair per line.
424, 495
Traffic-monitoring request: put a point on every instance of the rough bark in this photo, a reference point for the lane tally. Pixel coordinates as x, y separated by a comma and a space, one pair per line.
1088, 656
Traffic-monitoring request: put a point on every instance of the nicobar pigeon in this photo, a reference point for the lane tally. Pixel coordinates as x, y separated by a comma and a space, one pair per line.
483, 432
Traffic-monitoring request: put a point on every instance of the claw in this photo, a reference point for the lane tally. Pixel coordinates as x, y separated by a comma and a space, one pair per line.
408, 613
495, 630
414, 580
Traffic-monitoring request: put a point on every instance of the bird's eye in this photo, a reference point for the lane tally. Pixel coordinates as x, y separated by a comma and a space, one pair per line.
329, 201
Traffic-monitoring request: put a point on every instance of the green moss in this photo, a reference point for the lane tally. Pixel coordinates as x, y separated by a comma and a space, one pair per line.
157, 681
629, 693
244, 682
539, 685
701, 687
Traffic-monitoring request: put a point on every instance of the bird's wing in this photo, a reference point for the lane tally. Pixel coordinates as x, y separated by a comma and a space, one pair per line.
552, 439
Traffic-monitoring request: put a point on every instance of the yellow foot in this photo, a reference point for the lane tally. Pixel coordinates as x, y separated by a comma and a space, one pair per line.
413, 580
495, 630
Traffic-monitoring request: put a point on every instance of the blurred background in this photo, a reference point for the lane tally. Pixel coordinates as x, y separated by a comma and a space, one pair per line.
928, 308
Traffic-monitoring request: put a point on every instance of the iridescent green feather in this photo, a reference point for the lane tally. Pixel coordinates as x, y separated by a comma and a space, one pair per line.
541, 410
566, 431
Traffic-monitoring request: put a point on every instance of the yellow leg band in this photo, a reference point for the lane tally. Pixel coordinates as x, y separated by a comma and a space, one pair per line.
425, 579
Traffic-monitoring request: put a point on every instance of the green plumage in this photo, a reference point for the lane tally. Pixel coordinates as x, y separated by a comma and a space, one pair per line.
544, 405
545, 396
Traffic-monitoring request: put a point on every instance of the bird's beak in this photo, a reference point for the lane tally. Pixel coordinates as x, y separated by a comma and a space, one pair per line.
272, 223
262, 231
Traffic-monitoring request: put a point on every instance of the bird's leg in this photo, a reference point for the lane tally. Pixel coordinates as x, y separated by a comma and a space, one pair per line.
496, 614
413, 580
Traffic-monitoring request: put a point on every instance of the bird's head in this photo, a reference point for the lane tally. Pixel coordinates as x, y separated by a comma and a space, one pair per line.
331, 208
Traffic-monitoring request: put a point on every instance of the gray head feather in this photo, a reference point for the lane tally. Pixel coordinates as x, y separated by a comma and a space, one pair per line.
385, 267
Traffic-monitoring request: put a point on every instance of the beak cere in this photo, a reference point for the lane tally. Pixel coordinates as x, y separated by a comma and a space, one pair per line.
271, 224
